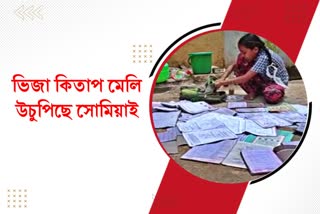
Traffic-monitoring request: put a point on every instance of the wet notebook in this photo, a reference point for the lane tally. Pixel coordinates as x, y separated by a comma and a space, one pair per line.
210, 153
235, 159
170, 147
168, 135
260, 161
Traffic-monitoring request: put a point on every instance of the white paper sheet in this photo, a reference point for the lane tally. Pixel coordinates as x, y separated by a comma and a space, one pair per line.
255, 129
269, 141
248, 115
291, 116
203, 122
237, 104
165, 119
155, 104
245, 105
175, 129
184, 117
211, 153
188, 126
168, 135
181, 141
225, 111
281, 107
260, 161
235, 124
235, 159
250, 110
208, 136
209, 123
165, 109
195, 107
170, 104
302, 109
170, 147
269, 120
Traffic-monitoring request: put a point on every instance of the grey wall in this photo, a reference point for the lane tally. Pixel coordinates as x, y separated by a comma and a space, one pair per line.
231, 49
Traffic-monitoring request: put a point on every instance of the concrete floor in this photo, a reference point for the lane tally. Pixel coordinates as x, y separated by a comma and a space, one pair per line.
169, 91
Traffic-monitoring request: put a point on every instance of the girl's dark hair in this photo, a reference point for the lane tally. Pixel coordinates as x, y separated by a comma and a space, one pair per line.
251, 41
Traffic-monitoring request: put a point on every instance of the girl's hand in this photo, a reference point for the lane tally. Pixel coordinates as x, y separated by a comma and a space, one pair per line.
219, 83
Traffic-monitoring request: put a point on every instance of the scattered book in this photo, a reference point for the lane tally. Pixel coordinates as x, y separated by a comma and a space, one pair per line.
288, 135
302, 109
208, 136
195, 107
269, 120
260, 161
292, 116
175, 129
168, 135
163, 108
255, 129
165, 119
210, 153
184, 117
204, 122
243, 137
181, 141
250, 110
271, 141
234, 158
170, 104
170, 147
226, 111
250, 114
156, 104
250, 138
245, 105
281, 107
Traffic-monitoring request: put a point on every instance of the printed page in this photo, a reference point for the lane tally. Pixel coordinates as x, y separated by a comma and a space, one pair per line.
235, 159
269, 120
260, 160
269, 140
254, 128
250, 110
211, 153
225, 111
208, 136
168, 135
291, 116
194, 107
301, 109
165, 119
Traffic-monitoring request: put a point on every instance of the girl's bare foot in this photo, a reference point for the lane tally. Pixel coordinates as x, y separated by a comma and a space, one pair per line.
249, 96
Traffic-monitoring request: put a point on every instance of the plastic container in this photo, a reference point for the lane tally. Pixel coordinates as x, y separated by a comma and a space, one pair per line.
200, 62
164, 74
231, 89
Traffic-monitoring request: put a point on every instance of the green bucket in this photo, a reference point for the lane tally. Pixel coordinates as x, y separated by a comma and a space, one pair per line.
200, 62
164, 74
